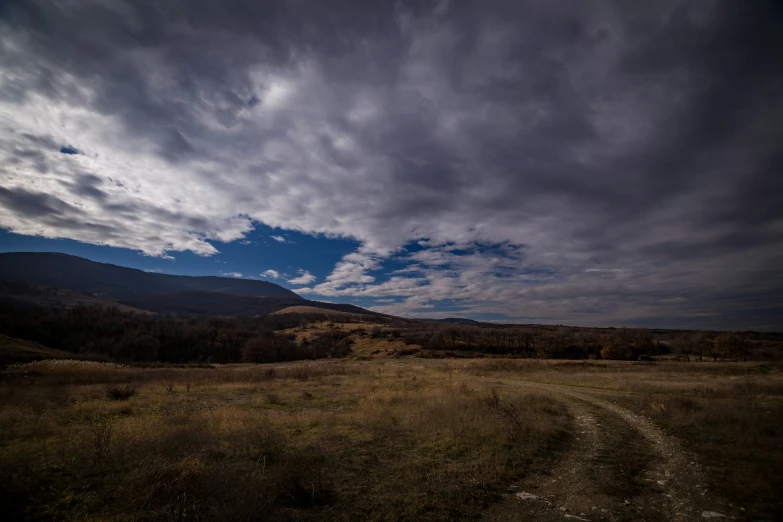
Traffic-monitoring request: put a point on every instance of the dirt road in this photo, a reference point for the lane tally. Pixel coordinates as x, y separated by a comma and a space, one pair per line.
619, 466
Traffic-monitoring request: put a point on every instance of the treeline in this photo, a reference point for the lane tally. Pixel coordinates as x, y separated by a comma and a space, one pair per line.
114, 334
132, 337
563, 343
574, 343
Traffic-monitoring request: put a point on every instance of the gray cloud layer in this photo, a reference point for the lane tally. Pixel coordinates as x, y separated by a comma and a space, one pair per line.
623, 160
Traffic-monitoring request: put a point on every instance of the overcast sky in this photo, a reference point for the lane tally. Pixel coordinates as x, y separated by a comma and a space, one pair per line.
604, 163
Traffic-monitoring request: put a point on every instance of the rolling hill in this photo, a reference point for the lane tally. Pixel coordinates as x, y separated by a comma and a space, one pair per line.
13, 350
89, 277
54, 278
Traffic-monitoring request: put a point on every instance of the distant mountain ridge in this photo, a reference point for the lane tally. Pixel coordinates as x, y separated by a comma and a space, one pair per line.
123, 283
50, 279
455, 320
458, 320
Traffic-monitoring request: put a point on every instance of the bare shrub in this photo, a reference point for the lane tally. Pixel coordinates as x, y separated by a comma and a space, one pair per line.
120, 393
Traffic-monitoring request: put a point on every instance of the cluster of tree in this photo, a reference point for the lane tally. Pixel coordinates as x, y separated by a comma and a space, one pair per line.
573, 343
127, 336
715, 345
124, 336
280, 321
556, 343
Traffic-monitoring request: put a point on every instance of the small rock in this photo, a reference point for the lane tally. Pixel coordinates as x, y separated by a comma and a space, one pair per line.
712, 514
526, 496
661, 482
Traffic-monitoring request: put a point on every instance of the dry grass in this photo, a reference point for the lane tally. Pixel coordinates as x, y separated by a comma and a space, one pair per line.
318, 441
363, 344
736, 430
403, 439
383, 347
315, 329
319, 312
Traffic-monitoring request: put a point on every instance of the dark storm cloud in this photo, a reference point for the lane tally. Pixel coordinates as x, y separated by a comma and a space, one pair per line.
34, 204
87, 185
637, 139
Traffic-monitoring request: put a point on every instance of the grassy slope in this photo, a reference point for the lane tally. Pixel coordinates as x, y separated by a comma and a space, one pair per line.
13, 350
363, 345
331, 314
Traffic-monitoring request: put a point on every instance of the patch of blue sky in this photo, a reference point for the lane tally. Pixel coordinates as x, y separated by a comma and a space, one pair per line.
258, 252
249, 257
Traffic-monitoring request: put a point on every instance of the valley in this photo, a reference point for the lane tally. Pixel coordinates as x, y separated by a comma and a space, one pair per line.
203, 404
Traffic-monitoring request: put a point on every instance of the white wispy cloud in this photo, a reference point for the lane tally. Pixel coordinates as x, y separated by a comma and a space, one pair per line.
279, 239
232, 274
304, 278
270, 274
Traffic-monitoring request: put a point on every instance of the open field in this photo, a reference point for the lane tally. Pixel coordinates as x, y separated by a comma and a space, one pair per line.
392, 439
365, 339
726, 417
318, 441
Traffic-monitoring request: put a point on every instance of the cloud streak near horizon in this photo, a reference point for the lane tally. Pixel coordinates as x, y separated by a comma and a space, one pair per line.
591, 163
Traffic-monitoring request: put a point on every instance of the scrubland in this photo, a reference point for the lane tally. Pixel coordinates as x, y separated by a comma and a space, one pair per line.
319, 441
386, 439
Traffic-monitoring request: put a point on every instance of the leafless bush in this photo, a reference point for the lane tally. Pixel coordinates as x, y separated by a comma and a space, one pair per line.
120, 393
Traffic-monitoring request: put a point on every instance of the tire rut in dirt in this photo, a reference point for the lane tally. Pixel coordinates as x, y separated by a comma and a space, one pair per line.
602, 474
621, 471
617, 467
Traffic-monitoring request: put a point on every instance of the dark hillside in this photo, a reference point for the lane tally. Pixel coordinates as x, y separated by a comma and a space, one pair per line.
82, 275
53, 279
211, 303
